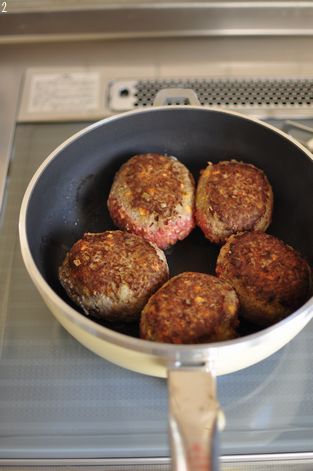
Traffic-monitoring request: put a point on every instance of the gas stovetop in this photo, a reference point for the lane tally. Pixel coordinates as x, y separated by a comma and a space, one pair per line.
59, 403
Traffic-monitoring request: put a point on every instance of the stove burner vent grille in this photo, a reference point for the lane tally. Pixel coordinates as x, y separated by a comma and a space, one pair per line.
232, 93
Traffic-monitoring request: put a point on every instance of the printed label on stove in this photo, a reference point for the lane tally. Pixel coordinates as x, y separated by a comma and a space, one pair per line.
64, 92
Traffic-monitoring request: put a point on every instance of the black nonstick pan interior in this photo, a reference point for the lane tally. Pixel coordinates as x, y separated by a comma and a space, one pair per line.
71, 194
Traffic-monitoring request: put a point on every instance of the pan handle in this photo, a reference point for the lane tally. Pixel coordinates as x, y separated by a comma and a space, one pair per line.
170, 96
193, 417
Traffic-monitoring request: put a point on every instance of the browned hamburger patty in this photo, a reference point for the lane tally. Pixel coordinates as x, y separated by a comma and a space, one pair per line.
232, 197
111, 275
153, 196
271, 279
191, 308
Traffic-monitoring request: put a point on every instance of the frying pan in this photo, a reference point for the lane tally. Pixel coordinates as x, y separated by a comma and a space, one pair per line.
67, 197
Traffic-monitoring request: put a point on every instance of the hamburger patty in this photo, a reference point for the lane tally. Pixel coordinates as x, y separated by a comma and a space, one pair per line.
271, 279
232, 197
111, 275
153, 196
191, 308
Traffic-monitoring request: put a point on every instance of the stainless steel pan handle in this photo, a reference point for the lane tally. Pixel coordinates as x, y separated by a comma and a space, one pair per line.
193, 416
170, 95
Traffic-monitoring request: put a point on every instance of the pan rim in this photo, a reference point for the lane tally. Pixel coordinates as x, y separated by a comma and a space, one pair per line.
109, 335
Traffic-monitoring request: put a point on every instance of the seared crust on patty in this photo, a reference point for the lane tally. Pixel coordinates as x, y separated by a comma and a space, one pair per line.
232, 197
271, 279
153, 196
111, 275
191, 308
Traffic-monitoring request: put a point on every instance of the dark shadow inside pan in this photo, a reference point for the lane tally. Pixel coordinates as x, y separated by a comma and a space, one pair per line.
70, 196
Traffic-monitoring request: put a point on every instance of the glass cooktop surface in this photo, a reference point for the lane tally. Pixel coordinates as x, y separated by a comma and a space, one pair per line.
58, 400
